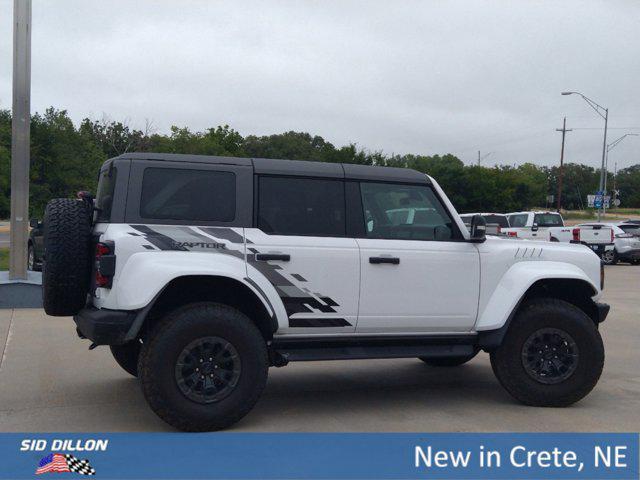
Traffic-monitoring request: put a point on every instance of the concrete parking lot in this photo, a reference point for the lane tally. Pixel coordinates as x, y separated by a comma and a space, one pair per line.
49, 381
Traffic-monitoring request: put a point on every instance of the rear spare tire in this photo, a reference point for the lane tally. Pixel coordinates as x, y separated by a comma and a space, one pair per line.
67, 247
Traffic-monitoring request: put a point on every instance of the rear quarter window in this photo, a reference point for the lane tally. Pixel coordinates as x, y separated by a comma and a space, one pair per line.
188, 194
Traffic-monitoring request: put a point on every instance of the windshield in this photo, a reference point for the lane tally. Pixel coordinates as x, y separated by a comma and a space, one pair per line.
548, 220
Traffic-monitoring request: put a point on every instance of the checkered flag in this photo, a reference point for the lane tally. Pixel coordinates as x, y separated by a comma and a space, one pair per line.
79, 466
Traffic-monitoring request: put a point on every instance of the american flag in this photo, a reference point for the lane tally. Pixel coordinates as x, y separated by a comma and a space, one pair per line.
57, 462
54, 462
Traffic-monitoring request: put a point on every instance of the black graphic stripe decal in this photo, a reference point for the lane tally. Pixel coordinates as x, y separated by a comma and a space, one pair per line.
319, 322
224, 234
161, 241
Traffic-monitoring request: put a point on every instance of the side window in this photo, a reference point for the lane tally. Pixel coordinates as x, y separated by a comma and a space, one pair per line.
518, 221
185, 194
404, 212
104, 196
301, 206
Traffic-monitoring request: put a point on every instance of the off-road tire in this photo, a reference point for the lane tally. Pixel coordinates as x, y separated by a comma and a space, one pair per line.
538, 314
67, 245
447, 361
610, 260
127, 356
166, 341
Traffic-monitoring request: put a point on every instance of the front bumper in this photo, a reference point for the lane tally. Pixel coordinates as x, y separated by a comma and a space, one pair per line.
103, 326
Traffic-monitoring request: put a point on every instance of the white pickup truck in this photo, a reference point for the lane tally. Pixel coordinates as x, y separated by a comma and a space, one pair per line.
541, 225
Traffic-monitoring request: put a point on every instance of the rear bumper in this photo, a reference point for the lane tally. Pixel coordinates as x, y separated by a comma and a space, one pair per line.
103, 326
629, 254
603, 311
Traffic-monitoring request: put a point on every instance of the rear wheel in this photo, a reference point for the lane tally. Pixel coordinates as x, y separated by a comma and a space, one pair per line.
203, 367
67, 243
609, 257
447, 361
31, 258
127, 356
635, 261
551, 356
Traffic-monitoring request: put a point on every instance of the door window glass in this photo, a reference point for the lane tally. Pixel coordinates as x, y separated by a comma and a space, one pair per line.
404, 212
301, 206
518, 221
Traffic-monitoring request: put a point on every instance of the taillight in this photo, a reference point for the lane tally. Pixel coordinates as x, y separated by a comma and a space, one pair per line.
612, 236
512, 234
576, 234
105, 264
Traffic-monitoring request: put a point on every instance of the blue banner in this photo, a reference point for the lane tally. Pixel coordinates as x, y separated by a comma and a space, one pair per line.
231, 455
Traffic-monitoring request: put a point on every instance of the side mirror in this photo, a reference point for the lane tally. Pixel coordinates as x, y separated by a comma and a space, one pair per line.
34, 223
534, 228
478, 229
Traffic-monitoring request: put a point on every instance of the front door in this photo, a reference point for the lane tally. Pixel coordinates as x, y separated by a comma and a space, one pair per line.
418, 273
300, 246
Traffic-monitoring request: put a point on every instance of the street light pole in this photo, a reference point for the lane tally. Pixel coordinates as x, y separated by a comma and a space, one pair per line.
20, 139
610, 147
598, 109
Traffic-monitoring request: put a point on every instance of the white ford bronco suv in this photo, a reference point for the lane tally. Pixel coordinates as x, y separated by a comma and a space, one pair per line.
202, 272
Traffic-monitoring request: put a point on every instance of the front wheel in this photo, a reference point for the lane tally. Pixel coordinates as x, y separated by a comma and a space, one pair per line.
448, 361
552, 354
203, 367
609, 257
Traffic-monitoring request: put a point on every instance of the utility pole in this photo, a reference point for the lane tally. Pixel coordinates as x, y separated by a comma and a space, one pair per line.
20, 139
480, 158
564, 132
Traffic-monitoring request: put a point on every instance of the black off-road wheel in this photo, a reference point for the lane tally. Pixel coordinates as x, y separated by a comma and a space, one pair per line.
448, 361
609, 257
67, 246
32, 262
552, 354
127, 356
203, 367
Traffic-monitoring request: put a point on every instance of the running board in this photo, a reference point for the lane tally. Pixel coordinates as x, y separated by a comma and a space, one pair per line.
353, 348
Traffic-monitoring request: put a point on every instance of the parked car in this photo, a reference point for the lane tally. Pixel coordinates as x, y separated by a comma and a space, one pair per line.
35, 245
202, 272
495, 221
550, 226
626, 242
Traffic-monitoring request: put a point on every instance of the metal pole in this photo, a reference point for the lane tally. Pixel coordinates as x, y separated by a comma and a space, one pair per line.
478, 157
561, 173
602, 172
21, 117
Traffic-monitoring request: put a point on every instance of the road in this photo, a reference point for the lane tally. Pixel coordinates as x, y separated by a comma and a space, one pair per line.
49, 381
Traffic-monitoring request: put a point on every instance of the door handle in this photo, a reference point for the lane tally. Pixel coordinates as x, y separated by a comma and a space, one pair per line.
378, 260
265, 257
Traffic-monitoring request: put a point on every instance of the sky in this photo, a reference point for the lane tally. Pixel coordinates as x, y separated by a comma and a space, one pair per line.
425, 77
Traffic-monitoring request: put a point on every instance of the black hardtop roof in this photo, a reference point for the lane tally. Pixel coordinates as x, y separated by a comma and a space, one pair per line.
306, 168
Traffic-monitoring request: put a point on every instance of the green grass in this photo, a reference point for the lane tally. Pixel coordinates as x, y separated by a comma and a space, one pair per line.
4, 259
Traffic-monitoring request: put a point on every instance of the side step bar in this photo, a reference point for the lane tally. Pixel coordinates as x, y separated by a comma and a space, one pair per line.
351, 348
